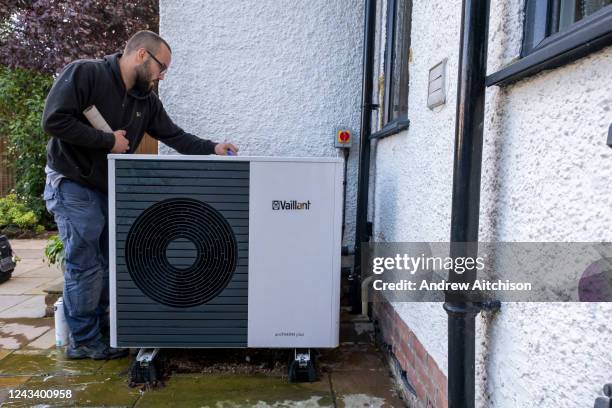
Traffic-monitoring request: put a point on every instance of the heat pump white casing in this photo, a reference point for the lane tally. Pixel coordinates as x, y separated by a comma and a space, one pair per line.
285, 291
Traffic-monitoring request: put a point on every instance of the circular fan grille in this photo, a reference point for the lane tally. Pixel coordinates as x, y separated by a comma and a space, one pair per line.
181, 252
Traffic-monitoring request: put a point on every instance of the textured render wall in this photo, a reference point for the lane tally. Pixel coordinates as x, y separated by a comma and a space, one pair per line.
546, 177
276, 78
414, 168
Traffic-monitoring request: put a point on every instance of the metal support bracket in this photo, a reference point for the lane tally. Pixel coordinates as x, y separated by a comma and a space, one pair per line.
302, 358
490, 306
146, 355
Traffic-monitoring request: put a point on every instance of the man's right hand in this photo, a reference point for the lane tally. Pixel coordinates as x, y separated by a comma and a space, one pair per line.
122, 145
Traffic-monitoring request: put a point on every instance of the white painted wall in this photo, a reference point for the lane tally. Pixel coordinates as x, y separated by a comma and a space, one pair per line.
547, 173
276, 78
414, 168
546, 177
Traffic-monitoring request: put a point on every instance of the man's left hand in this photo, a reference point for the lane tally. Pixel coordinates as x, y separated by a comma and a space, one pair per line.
226, 149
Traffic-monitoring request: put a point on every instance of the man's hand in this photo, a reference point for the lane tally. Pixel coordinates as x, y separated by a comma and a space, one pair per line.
226, 149
122, 145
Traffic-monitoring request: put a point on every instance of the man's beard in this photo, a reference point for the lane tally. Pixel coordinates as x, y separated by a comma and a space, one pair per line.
143, 84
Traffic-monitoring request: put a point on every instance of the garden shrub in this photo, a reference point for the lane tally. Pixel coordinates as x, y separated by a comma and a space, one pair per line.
22, 99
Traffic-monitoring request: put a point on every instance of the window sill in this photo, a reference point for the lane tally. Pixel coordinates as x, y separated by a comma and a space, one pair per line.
391, 129
584, 37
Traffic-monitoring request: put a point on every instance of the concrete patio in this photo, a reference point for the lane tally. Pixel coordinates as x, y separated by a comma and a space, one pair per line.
23, 295
353, 375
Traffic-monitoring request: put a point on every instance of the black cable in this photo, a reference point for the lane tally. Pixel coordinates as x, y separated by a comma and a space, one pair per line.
345, 152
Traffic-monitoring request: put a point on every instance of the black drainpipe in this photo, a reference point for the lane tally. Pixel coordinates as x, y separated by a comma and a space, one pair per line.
362, 227
466, 197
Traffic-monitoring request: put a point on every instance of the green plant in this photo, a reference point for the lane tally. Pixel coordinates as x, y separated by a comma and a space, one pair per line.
54, 251
16, 215
22, 99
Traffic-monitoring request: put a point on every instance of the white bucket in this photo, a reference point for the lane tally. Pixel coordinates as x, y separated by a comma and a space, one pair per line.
61, 326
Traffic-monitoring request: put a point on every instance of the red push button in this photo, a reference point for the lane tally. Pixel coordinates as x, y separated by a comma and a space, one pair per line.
344, 137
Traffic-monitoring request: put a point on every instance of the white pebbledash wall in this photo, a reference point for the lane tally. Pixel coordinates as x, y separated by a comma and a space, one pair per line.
546, 176
276, 78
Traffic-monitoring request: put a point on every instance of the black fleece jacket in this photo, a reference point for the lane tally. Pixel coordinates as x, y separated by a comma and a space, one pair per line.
76, 149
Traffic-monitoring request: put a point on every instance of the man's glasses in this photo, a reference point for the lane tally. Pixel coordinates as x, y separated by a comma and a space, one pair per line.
162, 67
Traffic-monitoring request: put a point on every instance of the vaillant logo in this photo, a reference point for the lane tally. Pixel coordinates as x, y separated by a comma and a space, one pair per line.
278, 205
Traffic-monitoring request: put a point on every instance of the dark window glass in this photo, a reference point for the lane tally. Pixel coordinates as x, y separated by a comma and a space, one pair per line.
571, 11
397, 54
557, 32
544, 18
536, 17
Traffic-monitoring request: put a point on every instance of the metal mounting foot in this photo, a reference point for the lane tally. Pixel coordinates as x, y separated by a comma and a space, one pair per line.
302, 368
145, 369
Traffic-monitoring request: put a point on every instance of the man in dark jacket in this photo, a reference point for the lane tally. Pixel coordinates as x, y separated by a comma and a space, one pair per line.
120, 87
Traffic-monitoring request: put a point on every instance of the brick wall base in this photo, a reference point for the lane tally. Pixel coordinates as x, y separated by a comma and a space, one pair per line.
424, 384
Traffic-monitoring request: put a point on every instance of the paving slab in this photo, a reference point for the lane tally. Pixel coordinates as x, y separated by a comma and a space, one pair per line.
15, 334
31, 263
21, 244
45, 283
237, 391
353, 375
33, 253
20, 285
44, 342
352, 357
8, 301
84, 391
55, 288
33, 307
5, 352
12, 342
365, 388
31, 278
360, 377
27, 266
36, 269
119, 366
10, 383
48, 363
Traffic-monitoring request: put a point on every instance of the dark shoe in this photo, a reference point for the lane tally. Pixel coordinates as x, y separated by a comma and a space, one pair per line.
96, 350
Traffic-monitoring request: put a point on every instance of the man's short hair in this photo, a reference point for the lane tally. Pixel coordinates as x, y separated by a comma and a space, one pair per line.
145, 39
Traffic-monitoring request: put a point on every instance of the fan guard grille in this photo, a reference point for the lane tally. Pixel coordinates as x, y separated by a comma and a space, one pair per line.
216, 252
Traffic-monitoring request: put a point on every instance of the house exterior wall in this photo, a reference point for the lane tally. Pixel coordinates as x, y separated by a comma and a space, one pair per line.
275, 78
278, 78
545, 177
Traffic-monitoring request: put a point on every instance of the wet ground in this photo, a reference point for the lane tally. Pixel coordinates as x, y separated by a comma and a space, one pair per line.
353, 375
33, 372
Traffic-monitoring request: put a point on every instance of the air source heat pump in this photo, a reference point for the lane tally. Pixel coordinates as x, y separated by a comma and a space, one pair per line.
209, 251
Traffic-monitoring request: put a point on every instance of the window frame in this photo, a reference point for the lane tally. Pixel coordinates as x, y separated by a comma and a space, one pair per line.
392, 126
539, 53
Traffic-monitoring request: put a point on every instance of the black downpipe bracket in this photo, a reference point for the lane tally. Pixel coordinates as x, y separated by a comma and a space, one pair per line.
362, 234
466, 198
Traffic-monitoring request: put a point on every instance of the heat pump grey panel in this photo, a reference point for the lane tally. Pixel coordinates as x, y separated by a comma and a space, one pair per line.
190, 290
